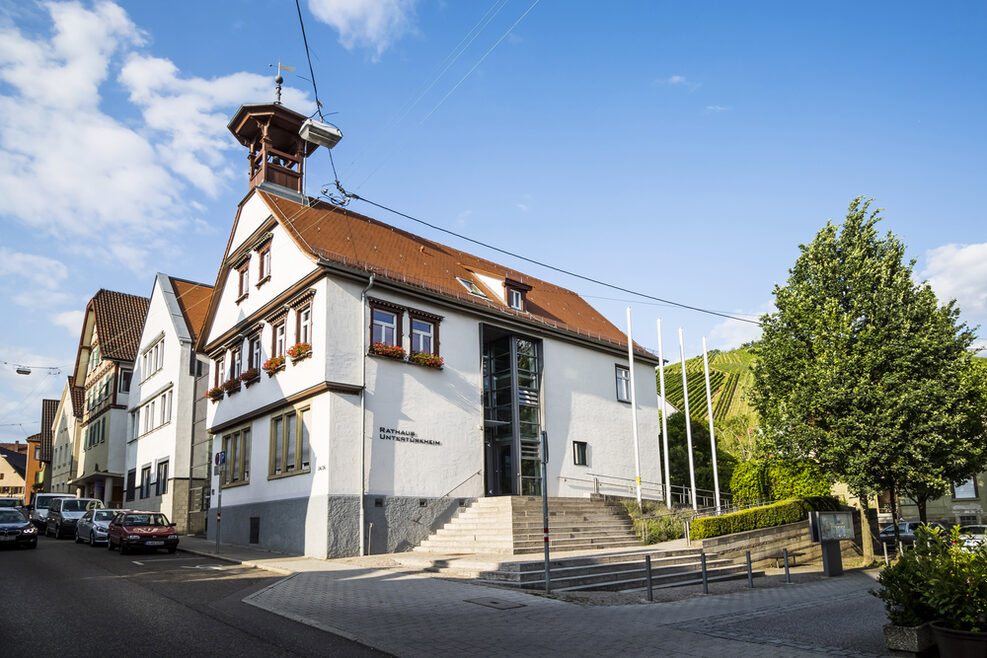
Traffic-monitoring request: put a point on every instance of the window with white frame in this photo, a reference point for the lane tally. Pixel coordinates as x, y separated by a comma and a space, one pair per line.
255, 355
124, 385
965, 490
236, 364
145, 482
422, 336
304, 325
152, 360
623, 383
385, 327
278, 339
243, 280
219, 364
471, 287
263, 264
515, 299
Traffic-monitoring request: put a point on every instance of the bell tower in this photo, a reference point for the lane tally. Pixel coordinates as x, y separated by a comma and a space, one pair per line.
277, 152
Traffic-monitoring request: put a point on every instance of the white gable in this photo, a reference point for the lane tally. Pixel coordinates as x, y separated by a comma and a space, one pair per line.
252, 215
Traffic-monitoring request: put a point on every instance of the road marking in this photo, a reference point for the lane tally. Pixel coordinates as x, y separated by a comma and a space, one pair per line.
140, 563
217, 567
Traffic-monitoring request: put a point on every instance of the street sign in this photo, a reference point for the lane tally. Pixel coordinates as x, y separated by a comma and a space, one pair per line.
220, 458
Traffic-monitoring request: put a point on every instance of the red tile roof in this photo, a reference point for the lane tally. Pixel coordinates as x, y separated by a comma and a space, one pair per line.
193, 298
119, 323
342, 236
49, 408
78, 394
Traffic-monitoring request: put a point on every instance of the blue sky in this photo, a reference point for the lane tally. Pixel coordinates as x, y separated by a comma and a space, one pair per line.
683, 150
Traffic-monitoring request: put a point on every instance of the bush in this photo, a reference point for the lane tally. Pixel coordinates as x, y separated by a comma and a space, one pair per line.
777, 479
766, 516
655, 523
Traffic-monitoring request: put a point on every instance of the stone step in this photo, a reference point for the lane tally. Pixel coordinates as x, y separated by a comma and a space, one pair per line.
638, 582
607, 570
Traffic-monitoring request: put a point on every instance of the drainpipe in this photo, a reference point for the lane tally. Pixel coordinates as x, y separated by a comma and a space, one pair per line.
363, 412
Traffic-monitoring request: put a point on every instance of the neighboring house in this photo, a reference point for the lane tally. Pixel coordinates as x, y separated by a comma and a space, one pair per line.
48, 411
104, 365
161, 449
965, 504
325, 423
33, 467
67, 432
13, 464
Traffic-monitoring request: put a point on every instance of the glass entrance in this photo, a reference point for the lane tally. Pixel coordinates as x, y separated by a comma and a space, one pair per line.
511, 412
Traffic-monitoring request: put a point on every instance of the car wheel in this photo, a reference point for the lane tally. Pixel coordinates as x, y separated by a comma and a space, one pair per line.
109, 544
171, 550
92, 539
78, 539
47, 532
58, 531
123, 549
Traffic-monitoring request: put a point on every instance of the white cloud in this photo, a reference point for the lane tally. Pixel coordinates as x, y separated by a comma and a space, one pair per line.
718, 108
523, 207
71, 320
39, 279
959, 272
679, 81
676, 80
731, 334
374, 24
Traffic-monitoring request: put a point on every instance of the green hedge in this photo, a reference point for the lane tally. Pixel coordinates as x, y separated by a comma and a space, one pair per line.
786, 511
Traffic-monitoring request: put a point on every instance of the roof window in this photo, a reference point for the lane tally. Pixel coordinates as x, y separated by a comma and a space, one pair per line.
471, 287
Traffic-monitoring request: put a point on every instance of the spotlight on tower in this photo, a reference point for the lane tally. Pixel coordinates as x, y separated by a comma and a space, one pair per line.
323, 134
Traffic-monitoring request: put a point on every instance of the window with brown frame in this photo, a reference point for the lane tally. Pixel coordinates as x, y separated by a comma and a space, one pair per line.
424, 332
385, 322
236, 444
243, 276
263, 263
290, 451
966, 490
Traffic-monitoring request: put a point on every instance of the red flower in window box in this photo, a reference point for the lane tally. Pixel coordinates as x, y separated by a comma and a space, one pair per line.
273, 365
231, 386
426, 359
299, 351
391, 351
215, 393
249, 376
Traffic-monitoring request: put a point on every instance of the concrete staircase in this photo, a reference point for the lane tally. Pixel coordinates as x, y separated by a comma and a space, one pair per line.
513, 525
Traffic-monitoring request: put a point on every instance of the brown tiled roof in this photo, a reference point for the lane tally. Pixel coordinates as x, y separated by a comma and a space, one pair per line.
17, 447
78, 394
193, 298
119, 322
354, 240
49, 408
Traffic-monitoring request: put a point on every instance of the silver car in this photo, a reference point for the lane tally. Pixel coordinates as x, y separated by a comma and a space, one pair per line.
92, 526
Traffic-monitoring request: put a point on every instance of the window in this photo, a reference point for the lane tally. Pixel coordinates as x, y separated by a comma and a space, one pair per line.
579, 450
623, 384
385, 327
161, 485
263, 264
422, 336
515, 299
255, 356
152, 360
304, 325
277, 339
237, 447
220, 365
235, 363
290, 450
131, 483
37, 454
125, 376
963, 490
145, 482
243, 277
94, 359
471, 287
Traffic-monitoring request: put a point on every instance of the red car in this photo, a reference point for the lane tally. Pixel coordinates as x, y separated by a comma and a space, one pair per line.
130, 529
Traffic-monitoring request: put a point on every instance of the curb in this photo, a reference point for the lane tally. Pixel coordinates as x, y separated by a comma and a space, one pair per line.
246, 563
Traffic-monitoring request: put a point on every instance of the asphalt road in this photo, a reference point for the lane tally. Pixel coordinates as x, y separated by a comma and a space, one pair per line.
71, 599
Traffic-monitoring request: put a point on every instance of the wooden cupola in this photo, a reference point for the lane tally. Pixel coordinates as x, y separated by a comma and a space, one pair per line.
277, 151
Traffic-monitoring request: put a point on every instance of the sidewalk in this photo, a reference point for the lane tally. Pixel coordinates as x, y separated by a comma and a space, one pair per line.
408, 613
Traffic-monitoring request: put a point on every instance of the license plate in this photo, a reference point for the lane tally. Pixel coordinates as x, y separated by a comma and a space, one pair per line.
154, 542
7, 537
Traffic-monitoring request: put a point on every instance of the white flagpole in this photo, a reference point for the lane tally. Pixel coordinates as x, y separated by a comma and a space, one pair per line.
688, 423
712, 435
664, 419
637, 455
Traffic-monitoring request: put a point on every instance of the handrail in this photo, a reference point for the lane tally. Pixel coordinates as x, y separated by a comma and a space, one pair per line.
417, 517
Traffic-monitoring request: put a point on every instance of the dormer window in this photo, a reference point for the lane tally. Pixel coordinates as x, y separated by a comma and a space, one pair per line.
515, 299
471, 287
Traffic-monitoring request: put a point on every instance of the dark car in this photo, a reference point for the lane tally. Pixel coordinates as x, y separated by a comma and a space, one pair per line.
64, 513
16, 530
130, 530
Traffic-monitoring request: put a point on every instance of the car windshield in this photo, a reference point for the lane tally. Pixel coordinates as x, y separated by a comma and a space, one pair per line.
9, 502
974, 529
11, 516
103, 515
80, 505
145, 519
44, 502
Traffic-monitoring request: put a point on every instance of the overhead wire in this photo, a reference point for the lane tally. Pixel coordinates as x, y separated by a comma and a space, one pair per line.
308, 56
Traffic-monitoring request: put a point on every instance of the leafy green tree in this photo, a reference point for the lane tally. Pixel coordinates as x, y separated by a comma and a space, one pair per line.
862, 371
678, 456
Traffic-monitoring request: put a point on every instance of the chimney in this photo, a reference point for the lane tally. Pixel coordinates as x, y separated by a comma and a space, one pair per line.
277, 151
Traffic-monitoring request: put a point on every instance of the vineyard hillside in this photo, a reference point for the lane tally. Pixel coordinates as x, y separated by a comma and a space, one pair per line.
729, 380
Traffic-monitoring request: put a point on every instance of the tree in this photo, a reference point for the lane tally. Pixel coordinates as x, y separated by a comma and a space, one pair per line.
861, 370
678, 456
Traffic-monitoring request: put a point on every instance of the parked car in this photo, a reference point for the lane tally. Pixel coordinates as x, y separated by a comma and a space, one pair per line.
973, 536
16, 529
131, 529
93, 525
38, 507
64, 513
906, 530
11, 502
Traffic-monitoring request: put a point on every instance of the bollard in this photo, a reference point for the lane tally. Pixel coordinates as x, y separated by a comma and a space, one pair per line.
702, 560
647, 576
788, 576
885, 545
688, 535
750, 572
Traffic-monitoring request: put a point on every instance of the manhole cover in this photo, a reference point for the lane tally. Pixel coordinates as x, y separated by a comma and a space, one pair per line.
496, 604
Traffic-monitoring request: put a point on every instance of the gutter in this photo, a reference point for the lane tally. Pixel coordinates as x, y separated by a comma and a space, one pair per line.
363, 412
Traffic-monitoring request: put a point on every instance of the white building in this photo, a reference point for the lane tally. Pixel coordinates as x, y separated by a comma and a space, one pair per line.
161, 437
67, 433
343, 427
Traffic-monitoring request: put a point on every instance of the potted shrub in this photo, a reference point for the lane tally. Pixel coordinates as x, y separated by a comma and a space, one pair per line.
249, 376
273, 365
426, 359
903, 586
299, 351
231, 386
957, 595
215, 393
391, 351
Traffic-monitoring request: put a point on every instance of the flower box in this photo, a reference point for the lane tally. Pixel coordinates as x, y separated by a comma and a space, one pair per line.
249, 376
215, 393
426, 360
299, 351
274, 365
231, 386
390, 351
